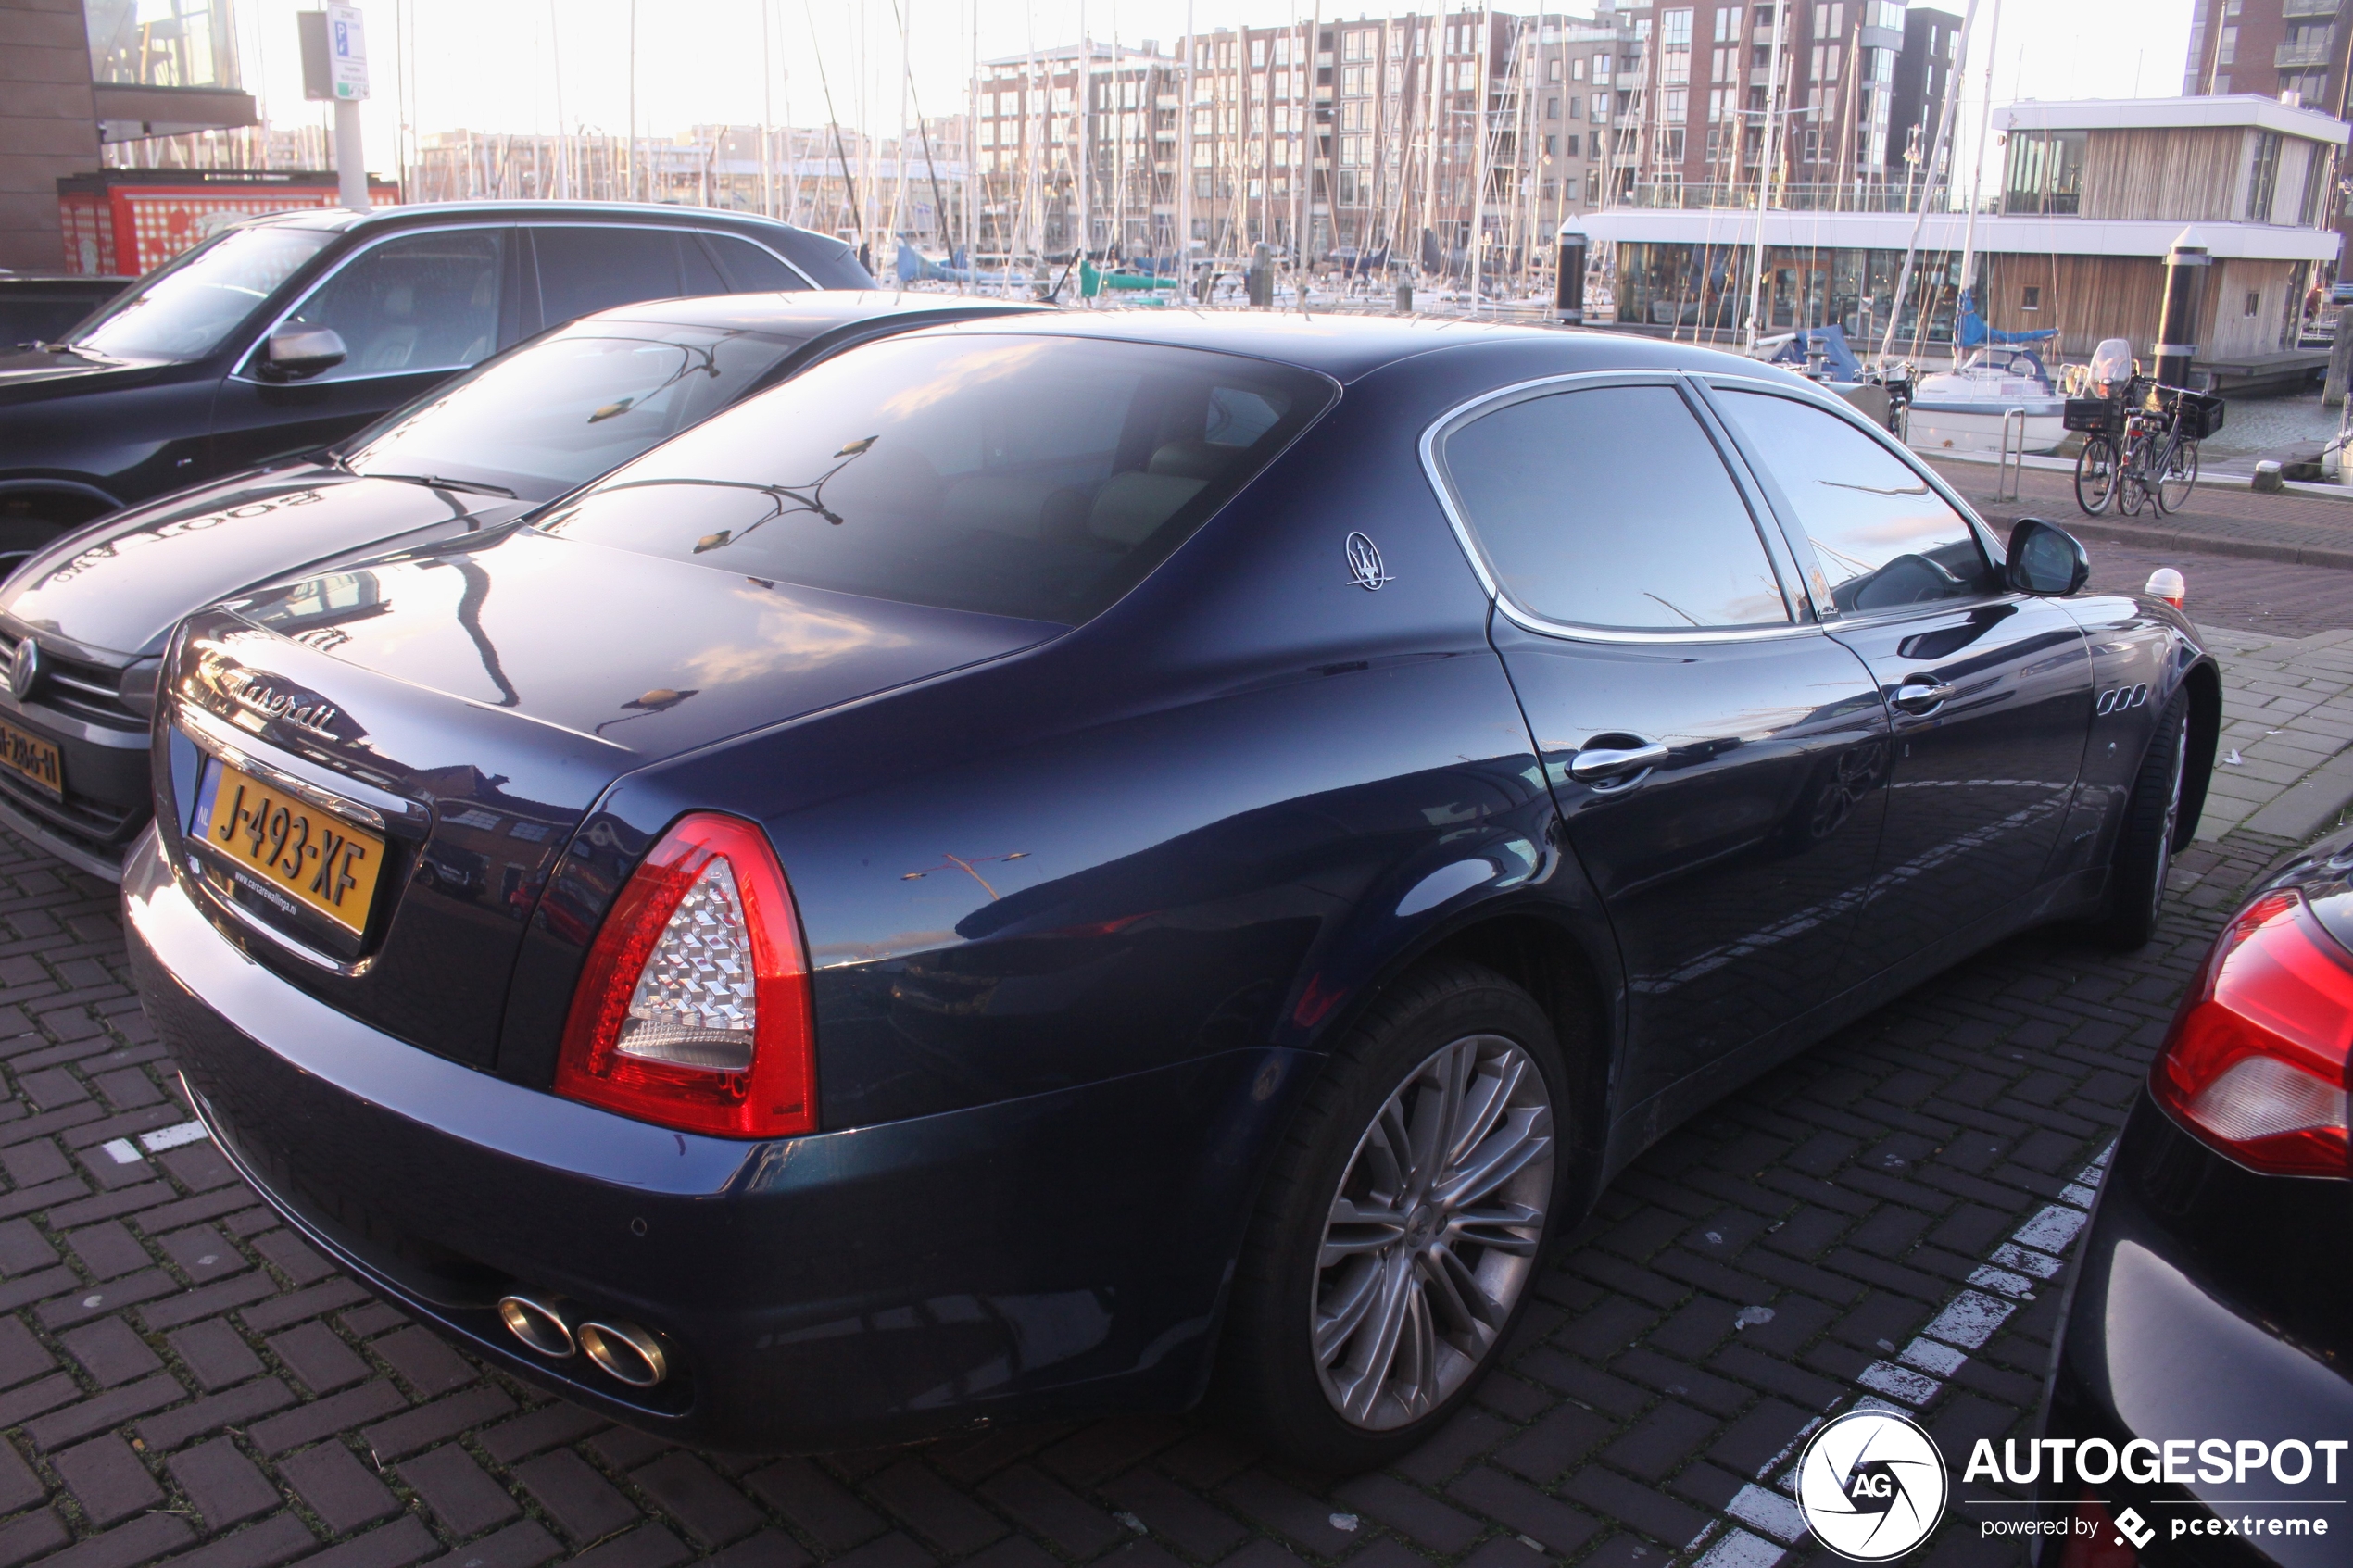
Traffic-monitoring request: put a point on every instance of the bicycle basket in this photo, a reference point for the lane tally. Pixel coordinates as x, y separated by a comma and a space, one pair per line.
2094, 414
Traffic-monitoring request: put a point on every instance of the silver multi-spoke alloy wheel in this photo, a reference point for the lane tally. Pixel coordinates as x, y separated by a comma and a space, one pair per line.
1433, 1233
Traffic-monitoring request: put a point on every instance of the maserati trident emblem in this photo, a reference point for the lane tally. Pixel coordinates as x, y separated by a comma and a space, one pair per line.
24, 669
1364, 562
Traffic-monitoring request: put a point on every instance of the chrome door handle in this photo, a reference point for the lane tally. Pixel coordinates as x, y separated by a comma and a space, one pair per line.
1921, 694
1598, 765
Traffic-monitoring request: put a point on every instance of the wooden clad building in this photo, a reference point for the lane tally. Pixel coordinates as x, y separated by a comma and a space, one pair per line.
2092, 195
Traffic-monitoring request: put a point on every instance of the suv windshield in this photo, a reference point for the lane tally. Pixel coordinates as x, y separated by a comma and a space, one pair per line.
561, 411
1036, 477
186, 308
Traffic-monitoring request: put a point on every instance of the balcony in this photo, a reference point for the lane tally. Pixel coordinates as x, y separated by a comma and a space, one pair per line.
2289, 56
2292, 8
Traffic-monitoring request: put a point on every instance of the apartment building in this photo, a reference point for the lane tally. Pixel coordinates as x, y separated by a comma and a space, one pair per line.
2292, 50
1842, 95
1354, 138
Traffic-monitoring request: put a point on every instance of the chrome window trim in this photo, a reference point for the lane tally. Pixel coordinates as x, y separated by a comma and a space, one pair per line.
227, 744
1996, 552
244, 355
1518, 615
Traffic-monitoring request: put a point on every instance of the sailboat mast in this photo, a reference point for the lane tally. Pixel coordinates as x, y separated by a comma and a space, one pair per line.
1928, 185
1765, 171
1977, 178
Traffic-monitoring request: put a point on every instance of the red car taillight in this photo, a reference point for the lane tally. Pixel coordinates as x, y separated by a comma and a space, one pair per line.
2255, 1061
694, 1010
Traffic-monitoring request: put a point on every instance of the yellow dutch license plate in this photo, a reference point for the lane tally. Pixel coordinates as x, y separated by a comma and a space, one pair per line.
34, 758
296, 850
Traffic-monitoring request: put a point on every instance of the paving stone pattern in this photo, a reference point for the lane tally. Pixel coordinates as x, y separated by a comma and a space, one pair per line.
182, 1379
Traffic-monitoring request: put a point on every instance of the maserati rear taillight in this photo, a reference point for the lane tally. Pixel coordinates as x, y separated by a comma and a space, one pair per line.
2256, 1063
694, 1009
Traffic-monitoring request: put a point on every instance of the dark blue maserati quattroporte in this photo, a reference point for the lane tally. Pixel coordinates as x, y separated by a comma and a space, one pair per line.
1047, 867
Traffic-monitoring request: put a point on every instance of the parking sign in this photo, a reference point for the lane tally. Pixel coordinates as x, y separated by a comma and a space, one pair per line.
348, 51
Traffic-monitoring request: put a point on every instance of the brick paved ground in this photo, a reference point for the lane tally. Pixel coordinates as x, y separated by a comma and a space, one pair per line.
182, 1379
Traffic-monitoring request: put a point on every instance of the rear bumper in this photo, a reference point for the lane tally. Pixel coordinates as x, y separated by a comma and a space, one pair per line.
1060, 1254
2167, 1341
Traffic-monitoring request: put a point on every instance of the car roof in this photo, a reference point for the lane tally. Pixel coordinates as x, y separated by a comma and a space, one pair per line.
344, 219
1348, 347
799, 312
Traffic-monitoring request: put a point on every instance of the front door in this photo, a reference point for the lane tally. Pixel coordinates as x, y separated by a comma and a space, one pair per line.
1715, 757
1988, 692
412, 311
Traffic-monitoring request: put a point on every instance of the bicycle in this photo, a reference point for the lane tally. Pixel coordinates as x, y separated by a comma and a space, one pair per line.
2152, 459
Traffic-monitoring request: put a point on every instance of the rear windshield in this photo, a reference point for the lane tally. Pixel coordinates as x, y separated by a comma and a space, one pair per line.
1038, 477
183, 309
568, 407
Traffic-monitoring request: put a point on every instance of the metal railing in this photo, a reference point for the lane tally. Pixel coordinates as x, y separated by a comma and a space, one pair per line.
2292, 9
1799, 197
2292, 54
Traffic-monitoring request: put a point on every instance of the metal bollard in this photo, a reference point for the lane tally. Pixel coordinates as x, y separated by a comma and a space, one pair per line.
1404, 293
2005, 476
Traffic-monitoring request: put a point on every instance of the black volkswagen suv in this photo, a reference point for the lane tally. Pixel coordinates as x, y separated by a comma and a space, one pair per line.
290, 331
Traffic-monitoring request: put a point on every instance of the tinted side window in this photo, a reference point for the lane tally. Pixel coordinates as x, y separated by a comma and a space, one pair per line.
749, 269
1883, 537
422, 302
1610, 507
584, 268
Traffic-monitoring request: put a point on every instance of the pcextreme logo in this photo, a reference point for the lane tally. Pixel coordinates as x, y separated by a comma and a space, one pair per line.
1872, 1484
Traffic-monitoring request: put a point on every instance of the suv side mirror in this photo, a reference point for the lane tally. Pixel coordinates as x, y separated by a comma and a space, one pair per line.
295, 352
2046, 560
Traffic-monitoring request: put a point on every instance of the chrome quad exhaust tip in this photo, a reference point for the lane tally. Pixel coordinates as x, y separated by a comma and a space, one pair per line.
625, 1352
540, 1327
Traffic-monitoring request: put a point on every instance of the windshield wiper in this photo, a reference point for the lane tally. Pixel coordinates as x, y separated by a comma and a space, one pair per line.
435, 482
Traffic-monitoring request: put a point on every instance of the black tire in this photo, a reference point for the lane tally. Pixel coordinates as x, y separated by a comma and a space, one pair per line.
2179, 476
2095, 474
1271, 1383
2144, 854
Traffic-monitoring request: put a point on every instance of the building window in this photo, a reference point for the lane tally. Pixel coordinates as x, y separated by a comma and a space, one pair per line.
2227, 52
2263, 176
1577, 69
1601, 68
1552, 108
2254, 305
1572, 145
2046, 173
1670, 144
1728, 25
2031, 297
1551, 146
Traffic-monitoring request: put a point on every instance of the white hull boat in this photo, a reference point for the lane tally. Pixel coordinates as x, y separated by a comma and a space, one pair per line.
1964, 409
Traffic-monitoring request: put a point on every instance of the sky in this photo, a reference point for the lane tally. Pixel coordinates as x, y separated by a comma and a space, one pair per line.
512, 65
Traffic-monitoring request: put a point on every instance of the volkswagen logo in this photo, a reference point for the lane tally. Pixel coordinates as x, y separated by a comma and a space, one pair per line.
24, 669
1364, 562
1872, 1484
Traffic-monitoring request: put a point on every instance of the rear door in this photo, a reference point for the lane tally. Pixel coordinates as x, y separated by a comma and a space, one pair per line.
1988, 692
1714, 755
412, 310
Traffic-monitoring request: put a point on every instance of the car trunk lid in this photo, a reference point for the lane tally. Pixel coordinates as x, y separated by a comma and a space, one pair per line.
453, 713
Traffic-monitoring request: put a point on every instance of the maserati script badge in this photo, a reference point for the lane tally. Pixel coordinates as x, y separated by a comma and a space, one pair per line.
24, 669
1364, 562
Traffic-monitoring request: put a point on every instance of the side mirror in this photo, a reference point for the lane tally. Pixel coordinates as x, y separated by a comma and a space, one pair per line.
295, 352
2046, 560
